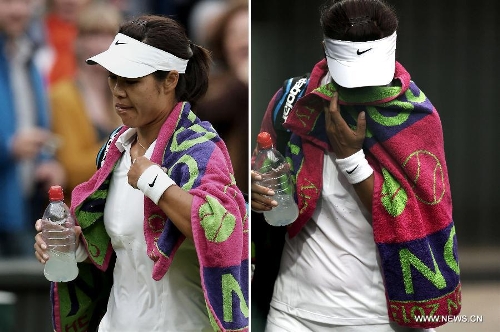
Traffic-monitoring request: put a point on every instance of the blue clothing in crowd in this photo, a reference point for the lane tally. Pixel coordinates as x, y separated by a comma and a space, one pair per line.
14, 207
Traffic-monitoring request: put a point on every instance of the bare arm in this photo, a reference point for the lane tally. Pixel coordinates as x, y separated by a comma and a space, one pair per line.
345, 142
175, 201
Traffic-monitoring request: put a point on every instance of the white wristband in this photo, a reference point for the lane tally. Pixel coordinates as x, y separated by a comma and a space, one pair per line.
355, 167
153, 182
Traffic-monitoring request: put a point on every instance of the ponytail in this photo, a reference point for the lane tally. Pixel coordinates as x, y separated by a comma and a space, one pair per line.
194, 83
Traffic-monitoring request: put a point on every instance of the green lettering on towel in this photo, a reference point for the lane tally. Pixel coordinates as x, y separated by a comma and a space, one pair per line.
192, 166
186, 144
388, 121
408, 260
449, 258
230, 285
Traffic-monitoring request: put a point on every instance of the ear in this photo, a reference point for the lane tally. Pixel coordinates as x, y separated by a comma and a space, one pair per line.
170, 83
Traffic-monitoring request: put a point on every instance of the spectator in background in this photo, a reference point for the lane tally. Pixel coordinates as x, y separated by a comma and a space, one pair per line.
24, 167
132, 8
204, 17
180, 9
82, 108
226, 102
61, 32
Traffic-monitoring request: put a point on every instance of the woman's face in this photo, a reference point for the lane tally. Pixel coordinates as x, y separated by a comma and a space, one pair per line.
15, 16
236, 43
68, 10
140, 102
91, 43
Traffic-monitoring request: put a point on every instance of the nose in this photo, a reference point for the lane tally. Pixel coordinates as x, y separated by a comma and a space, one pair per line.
116, 88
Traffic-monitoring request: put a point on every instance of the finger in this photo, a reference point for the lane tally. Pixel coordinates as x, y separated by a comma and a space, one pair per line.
259, 207
40, 242
264, 200
361, 126
334, 111
328, 116
261, 190
40, 258
38, 225
40, 252
255, 176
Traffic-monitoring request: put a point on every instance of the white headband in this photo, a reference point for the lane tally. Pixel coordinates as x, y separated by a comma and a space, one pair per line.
130, 58
357, 64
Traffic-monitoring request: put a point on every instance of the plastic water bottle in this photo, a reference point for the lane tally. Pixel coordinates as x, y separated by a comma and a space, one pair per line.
275, 172
59, 234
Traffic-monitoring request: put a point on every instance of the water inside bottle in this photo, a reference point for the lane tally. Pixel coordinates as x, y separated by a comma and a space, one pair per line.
60, 239
61, 266
285, 213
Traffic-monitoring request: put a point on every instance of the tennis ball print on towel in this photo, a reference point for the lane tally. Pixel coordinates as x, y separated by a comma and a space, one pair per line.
424, 171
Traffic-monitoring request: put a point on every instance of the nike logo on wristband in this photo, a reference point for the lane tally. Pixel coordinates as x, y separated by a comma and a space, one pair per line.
153, 183
119, 43
348, 172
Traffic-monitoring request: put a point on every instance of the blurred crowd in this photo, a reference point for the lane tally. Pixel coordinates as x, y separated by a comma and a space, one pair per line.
57, 111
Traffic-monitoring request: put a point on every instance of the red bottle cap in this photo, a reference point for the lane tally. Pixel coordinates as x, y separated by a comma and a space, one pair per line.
56, 193
264, 140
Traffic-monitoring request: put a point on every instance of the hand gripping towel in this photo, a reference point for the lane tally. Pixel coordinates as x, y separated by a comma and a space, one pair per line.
197, 160
412, 207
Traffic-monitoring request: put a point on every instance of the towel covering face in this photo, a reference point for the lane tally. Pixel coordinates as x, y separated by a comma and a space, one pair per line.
412, 208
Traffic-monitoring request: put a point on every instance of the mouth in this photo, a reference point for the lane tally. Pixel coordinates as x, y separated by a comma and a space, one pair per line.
120, 108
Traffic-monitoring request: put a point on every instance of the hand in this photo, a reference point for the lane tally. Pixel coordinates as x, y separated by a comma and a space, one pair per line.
41, 247
343, 139
27, 143
139, 165
260, 202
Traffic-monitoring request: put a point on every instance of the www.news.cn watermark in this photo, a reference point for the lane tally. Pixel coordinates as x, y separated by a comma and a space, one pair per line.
450, 319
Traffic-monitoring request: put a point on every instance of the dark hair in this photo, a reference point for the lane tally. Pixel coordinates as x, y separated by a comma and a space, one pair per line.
170, 36
357, 20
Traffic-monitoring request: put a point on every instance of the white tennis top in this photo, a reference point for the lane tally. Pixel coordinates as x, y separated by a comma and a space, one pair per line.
329, 271
137, 302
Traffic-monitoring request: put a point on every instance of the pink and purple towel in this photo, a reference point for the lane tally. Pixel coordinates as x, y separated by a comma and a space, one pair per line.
412, 208
197, 160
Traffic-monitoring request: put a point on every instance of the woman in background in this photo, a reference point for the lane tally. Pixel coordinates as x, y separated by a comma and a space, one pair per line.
82, 108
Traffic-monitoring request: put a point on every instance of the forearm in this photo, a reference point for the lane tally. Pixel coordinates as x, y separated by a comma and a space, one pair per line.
177, 203
359, 173
364, 190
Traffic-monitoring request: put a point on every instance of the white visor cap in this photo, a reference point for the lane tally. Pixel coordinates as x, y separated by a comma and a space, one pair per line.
358, 64
130, 58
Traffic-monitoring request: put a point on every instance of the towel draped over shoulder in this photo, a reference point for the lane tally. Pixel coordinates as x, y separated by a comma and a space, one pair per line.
412, 207
197, 160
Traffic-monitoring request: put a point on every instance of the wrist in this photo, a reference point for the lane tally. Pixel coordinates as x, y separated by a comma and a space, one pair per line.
81, 254
153, 182
355, 167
